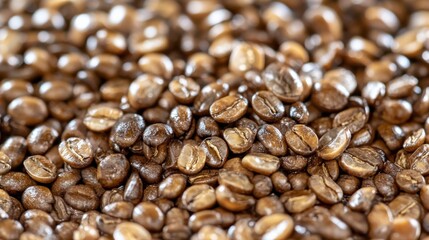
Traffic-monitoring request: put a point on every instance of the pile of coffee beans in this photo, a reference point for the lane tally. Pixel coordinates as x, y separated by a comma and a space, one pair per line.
214, 119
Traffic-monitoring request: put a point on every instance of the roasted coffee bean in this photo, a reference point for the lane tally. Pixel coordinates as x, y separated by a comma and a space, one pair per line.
385, 185
198, 197
40, 169
417, 161
334, 142
410, 181
157, 134
261, 163
392, 135
216, 151
317, 166
149, 216
113, 170
284, 82
380, 220
76, 152
38, 197
81, 197
267, 106
5, 163
16, 182
272, 139
239, 139
229, 109
356, 221
405, 228
330, 97
41, 139
362, 199
325, 189
415, 140
184, 89
192, 159
28, 110
349, 184
302, 139
353, 118
127, 129
233, 201
296, 201
236, 181
100, 118
269, 205
15, 148
246, 56
172, 186
130, 230
263, 186
278, 226
361, 162
406, 206
319, 221
207, 127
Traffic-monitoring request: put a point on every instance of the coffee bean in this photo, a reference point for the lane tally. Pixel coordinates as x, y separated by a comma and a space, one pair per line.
333, 143
349, 184
38, 197
362, 199
278, 225
353, 118
361, 162
76, 152
246, 56
406, 206
15, 148
191, 159
216, 151
28, 110
261, 163
229, 109
268, 107
415, 140
237, 182
233, 201
184, 89
41, 139
101, 118
5, 163
380, 221
330, 97
302, 139
325, 189
405, 228
127, 129
198, 197
296, 201
417, 161
149, 216
284, 82
263, 186
357, 221
272, 139
113, 170
239, 139
81, 197
410, 181
157, 134
132, 231
172, 186
207, 127
40, 169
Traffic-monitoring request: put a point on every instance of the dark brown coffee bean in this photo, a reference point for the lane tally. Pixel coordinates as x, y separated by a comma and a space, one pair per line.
319, 221
113, 170
27, 110
263, 186
16, 182
410, 181
40, 169
237, 182
357, 221
229, 109
330, 97
267, 106
278, 226
280, 182
363, 137
261, 163
302, 139
127, 129
334, 142
349, 184
81, 197
392, 135
145, 90
298, 111
269, 205
415, 140
5, 163
297, 201
208, 95
294, 163
38, 197
325, 189
216, 151
15, 148
149, 216
361, 162
353, 118
207, 127
76, 152
41, 139
184, 89
198, 197
317, 166
272, 139
284, 82
133, 191
385, 185
172, 186
157, 134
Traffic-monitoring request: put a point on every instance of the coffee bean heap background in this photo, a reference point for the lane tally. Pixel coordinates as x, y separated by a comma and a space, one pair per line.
214, 119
